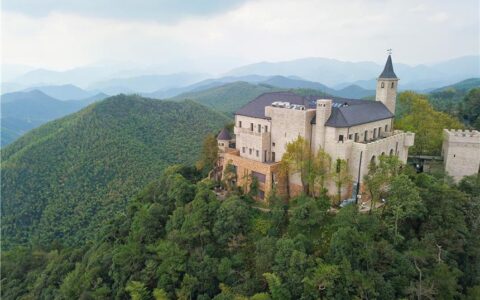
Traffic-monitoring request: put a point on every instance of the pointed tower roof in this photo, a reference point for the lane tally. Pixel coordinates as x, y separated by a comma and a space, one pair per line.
224, 135
388, 72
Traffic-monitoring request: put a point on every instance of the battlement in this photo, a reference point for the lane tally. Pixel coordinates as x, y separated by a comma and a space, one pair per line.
461, 136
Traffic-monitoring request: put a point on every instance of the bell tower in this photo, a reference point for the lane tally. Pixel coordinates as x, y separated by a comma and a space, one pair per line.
387, 84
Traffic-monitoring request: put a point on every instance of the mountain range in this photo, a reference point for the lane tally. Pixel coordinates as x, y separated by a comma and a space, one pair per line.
332, 73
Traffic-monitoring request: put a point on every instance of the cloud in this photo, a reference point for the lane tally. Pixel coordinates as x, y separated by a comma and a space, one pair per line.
157, 10
265, 30
439, 17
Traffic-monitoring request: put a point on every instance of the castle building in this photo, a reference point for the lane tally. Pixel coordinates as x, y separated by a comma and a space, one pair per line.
461, 153
358, 131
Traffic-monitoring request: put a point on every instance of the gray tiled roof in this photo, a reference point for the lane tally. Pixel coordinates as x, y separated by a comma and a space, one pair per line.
388, 72
224, 135
345, 112
351, 115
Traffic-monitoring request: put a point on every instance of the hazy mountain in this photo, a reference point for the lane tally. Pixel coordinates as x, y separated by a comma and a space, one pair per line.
63, 92
82, 76
146, 83
354, 92
464, 85
11, 71
340, 74
66, 178
290, 82
23, 111
203, 85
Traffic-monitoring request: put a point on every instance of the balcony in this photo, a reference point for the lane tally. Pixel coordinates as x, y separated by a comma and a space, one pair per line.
238, 130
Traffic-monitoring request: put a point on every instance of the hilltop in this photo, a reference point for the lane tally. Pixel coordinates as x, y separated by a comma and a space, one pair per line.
65, 178
23, 111
230, 97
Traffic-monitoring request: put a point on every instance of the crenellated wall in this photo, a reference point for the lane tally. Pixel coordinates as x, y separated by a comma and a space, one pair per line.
461, 152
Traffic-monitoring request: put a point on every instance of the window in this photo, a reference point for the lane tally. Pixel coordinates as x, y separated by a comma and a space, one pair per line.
261, 177
259, 128
257, 153
374, 133
243, 149
350, 136
250, 151
261, 194
273, 156
266, 128
393, 84
273, 144
365, 136
251, 126
379, 131
340, 138
240, 124
386, 128
356, 137
382, 85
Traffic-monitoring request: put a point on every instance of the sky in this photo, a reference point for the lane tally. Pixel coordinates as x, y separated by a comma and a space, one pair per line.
215, 36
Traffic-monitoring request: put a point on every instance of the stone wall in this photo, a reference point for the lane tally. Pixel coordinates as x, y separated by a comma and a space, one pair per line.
461, 153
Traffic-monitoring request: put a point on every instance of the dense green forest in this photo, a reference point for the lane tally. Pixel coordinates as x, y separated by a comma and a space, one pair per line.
62, 181
177, 240
80, 221
227, 98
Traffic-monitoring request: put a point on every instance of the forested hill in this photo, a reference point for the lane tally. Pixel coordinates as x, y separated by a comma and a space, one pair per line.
62, 180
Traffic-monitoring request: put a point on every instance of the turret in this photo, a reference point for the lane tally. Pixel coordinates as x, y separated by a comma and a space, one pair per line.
223, 139
387, 84
324, 110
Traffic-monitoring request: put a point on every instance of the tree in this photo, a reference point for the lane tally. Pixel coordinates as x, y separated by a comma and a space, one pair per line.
231, 221
426, 122
379, 177
137, 290
308, 214
209, 154
298, 158
470, 108
340, 176
254, 186
230, 175
320, 172
322, 281
314, 168
403, 202
277, 291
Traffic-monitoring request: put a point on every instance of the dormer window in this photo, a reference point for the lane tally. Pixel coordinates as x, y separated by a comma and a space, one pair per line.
382, 85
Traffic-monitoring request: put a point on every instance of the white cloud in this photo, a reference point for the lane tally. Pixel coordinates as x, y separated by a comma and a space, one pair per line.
259, 30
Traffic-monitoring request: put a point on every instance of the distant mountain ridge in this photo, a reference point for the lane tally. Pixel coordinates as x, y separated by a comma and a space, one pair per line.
64, 92
23, 111
334, 72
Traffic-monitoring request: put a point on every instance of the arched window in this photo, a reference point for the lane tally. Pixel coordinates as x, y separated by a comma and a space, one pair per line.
382, 85
391, 152
372, 160
383, 153
393, 84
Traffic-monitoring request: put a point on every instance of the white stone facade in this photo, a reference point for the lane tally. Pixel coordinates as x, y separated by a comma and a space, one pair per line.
264, 139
